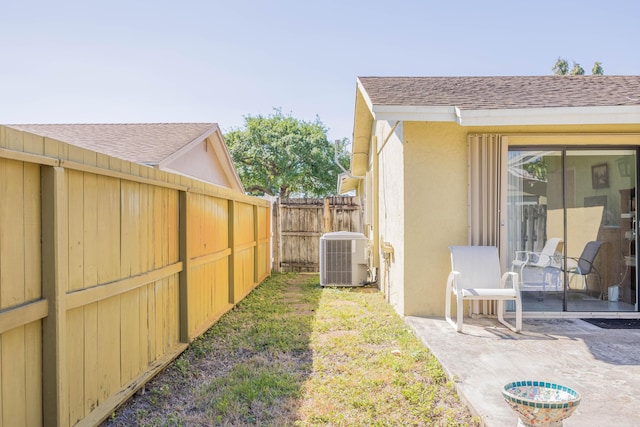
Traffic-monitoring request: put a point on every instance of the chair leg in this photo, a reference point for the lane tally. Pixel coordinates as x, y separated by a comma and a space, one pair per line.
518, 314
457, 325
447, 306
459, 313
447, 309
501, 313
518, 326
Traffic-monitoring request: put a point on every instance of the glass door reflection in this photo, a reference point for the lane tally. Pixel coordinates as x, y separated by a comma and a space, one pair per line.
572, 229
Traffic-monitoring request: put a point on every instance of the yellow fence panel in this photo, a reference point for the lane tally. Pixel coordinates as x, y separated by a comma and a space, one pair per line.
208, 253
133, 264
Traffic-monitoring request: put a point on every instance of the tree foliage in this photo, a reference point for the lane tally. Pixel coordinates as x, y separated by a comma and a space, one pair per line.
283, 156
577, 70
561, 68
597, 69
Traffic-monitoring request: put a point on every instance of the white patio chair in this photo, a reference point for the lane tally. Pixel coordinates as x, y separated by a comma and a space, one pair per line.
475, 275
545, 258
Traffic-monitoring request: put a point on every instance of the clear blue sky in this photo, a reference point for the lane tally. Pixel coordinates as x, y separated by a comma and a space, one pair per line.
137, 61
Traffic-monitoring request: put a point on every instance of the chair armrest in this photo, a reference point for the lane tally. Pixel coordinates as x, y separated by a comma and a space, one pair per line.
525, 258
515, 280
576, 267
522, 257
454, 282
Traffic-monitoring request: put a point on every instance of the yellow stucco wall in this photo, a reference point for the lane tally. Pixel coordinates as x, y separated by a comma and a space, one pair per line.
435, 210
435, 198
391, 217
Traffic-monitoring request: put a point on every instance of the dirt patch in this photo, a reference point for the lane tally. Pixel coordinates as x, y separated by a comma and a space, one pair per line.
298, 280
302, 308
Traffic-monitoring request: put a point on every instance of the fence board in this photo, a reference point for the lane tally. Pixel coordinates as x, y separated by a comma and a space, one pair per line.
90, 373
108, 347
32, 232
108, 223
90, 230
143, 327
12, 251
33, 381
75, 197
75, 364
13, 375
130, 351
2, 365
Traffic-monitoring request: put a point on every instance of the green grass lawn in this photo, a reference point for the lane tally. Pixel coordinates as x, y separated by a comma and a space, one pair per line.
295, 354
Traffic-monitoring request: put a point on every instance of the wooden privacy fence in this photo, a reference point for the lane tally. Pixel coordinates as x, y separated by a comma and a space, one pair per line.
107, 270
299, 224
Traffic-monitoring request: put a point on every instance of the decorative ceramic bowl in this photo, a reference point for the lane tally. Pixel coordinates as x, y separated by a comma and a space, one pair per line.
540, 403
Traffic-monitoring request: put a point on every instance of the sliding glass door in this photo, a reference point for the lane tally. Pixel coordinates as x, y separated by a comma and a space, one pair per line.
572, 228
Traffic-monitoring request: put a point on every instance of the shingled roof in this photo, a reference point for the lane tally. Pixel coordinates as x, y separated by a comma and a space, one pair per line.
515, 92
148, 143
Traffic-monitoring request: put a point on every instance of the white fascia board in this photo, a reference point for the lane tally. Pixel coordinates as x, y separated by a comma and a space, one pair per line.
414, 113
365, 95
550, 116
629, 114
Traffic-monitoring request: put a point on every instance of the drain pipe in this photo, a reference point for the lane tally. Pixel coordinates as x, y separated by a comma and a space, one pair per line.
335, 159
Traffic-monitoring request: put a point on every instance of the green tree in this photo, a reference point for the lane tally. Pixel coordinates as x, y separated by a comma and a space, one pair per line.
561, 68
597, 69
283, 156
577, 70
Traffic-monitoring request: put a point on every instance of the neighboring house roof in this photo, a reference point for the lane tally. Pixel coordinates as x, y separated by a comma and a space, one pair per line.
162, 145
147, 143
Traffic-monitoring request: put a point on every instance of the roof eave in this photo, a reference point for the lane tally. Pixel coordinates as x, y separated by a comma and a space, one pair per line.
411, 113
362, 128
627, 114
347, 183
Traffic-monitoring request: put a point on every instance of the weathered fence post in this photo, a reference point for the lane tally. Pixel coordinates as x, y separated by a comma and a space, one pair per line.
232, 256
256, 239
277, 236
55, 249
327, 216
184, 256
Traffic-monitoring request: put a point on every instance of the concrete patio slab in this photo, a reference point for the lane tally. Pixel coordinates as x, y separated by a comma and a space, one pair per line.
603, 365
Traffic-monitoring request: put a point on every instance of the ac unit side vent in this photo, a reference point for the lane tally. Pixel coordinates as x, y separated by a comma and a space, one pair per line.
337, 262
343, 259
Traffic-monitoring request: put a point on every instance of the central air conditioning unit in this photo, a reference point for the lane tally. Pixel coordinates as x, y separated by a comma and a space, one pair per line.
343, 259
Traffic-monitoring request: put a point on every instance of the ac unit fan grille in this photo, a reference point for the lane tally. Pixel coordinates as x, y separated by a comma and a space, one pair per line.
337, 265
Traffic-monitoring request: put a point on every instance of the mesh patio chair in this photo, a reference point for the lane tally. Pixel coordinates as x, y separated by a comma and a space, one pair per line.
476, 275
584, 265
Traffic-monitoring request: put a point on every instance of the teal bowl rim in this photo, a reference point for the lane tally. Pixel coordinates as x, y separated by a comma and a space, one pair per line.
575, 401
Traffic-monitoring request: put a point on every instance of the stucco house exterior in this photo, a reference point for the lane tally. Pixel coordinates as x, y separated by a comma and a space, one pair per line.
506, 161
196, 150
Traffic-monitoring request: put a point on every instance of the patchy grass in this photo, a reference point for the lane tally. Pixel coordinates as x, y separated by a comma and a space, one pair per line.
295, 354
